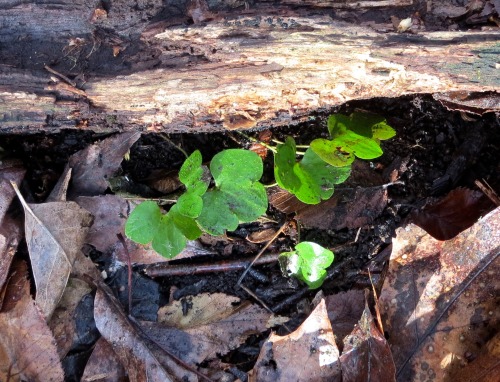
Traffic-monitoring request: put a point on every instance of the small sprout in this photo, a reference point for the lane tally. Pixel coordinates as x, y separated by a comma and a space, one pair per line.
308, 263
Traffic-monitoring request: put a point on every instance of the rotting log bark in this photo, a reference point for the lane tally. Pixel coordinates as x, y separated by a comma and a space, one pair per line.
266, 66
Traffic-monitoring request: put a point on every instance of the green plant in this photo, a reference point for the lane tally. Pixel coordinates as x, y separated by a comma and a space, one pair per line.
308, 263
238, 196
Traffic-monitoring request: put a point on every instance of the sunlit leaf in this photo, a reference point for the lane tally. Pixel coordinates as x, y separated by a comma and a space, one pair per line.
238, 197
308, 263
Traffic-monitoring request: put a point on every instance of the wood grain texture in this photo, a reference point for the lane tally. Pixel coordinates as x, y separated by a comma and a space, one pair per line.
267, 66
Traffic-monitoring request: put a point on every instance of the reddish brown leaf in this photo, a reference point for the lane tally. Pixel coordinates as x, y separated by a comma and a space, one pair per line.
10, 171
366, 355
260, 150
344, 311
308, 354
359, 210
128, 344
103, 364
440, 299
213, 325
457, 211
92, 166
484, 368
27, 347
284, 201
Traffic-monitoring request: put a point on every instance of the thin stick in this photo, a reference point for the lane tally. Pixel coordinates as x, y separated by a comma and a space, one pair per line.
129, 266
166, 269
488, 191
61, 76
261, 252
266, 307
173, 144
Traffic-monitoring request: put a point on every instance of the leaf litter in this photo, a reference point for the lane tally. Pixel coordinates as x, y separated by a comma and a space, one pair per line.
451, 343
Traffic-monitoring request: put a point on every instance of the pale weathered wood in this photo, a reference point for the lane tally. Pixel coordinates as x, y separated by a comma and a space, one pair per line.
264, 67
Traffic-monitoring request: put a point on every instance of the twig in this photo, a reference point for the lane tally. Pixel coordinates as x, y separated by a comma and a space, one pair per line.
261, 252
129, 266
61, 76
167, 269
266, 307
173, 144
252, 139
488, 191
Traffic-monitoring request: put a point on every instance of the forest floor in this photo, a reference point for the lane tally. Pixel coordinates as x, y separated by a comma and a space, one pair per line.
435, 151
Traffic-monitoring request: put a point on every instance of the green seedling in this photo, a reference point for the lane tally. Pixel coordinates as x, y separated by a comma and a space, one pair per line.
237, 197
311, 179
357, 135
308, 263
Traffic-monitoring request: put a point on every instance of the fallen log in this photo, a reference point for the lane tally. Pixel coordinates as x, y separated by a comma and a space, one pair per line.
114, 68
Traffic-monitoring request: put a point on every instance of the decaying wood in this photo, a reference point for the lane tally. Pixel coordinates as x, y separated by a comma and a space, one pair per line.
237, 69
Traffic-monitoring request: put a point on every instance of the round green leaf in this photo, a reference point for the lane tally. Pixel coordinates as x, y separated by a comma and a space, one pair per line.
284, 162
186, 225
216, 217
191, 170
248, 203
322, 174
383, 131
142, 224
362, 147
332, 152
168, 241
338, 124
236, 166
308, 190
190, 204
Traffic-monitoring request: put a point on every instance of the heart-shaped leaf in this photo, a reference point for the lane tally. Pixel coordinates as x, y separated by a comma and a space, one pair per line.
310, 180
238, 196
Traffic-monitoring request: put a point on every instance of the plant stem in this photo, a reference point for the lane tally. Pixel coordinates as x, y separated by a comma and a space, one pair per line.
172, 143
270, 185
252, 139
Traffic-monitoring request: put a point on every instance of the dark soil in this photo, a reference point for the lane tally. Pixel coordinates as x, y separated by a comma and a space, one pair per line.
442, 150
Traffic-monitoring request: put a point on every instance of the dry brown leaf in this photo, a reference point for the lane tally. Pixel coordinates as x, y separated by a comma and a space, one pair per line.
457, 211
62, 323
10, 171
307, 354
10, 236
103, 364
440, 299
139, 361
359, 210
55, 233
60, 190
27, 347
344, 311
484, 368
213, 325
95, 164
261, 236
366, 355
203, 309
284, 201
